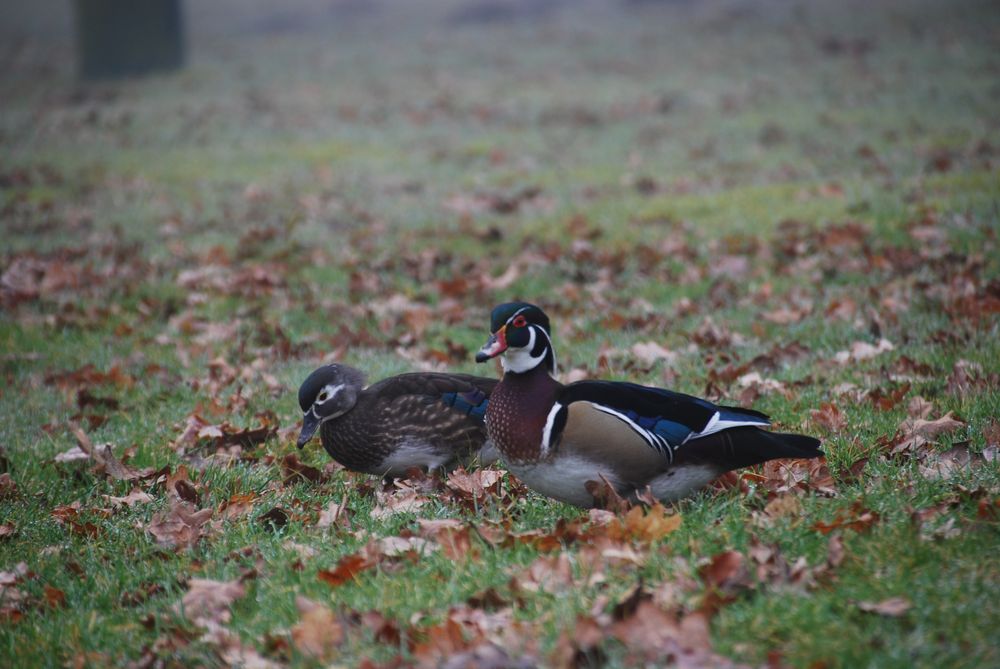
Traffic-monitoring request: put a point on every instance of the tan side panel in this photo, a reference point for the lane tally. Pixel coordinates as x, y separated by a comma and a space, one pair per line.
601, 437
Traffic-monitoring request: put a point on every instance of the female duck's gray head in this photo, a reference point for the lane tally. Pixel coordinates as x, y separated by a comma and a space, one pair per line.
328, 392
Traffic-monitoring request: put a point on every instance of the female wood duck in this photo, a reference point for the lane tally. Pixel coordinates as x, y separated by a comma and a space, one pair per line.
557, 437
424, 420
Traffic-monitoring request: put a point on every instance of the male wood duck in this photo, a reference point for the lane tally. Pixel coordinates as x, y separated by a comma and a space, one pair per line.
425, 420
557, 437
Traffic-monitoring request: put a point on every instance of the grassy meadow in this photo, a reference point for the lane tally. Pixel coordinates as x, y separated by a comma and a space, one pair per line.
792, 206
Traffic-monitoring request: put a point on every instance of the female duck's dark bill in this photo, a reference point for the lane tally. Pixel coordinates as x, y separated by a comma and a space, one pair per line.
309, 424
494, 346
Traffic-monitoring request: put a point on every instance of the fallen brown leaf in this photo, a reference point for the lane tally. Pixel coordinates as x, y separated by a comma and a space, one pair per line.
892, 607
133, 498
861, 350
346, 569
476, 486
318, 632
8, 489
855, 518
650, 524
550, 574
295, 471
207, 603
334, 514
180, 526
829, 416
649, 353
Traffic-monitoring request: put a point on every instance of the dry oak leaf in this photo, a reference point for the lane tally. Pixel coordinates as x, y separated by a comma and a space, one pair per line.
475, 486
929, 429
180, 526
104, 459
916, 432
453, 536
829, 416
235, 653
8, 489
440, 643
347, 568
855, 518
862, 350
402, 546
918, 407
606, 496
75, 454
405, 502
334, 514
237, 506
294, 470
648, 525
726, 571
649, 352
783, 505
207, 603
653, 635
550, 574
318, 632
957, 458
892, 607
135, 497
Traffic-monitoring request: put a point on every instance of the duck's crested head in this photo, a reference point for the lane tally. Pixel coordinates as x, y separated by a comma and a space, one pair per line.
521, 332
328, 392
508, 314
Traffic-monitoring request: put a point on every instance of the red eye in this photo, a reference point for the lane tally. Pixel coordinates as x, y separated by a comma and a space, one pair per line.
520, 322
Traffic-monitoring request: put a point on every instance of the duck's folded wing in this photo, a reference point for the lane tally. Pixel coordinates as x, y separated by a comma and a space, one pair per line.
464, 393
664, 419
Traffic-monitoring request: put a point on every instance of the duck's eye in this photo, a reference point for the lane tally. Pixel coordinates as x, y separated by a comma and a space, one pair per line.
322, 397
520, 322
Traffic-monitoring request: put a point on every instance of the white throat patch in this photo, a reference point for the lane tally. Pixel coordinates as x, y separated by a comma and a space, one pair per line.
520, 360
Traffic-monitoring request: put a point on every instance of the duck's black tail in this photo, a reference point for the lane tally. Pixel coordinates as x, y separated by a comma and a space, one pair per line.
744, 446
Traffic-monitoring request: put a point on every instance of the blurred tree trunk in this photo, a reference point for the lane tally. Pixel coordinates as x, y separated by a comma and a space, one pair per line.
126, 38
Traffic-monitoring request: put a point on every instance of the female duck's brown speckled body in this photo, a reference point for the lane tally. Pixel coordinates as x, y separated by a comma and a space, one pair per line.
424, 420
557, 438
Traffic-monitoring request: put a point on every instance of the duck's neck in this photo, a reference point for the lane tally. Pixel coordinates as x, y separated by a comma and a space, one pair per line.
517, 411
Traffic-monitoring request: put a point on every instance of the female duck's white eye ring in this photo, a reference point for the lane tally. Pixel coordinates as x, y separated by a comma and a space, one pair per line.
322, 397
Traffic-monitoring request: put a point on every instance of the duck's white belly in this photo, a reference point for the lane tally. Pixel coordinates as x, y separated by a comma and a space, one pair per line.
564, 478
682, 481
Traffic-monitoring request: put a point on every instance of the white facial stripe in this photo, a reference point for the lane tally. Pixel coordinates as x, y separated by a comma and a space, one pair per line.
515, 315
551, 348
330, 391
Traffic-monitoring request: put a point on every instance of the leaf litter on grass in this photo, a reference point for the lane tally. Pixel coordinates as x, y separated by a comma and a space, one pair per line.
865, 322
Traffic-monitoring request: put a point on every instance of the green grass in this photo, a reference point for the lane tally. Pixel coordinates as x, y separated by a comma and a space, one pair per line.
316, 171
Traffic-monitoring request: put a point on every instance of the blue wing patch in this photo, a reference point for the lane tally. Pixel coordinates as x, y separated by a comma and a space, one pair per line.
472, 403
673, 432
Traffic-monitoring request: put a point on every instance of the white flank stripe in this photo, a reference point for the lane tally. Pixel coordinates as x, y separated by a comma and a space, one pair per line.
547, 432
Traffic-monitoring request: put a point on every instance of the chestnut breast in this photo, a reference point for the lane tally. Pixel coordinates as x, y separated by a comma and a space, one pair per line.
516, 414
